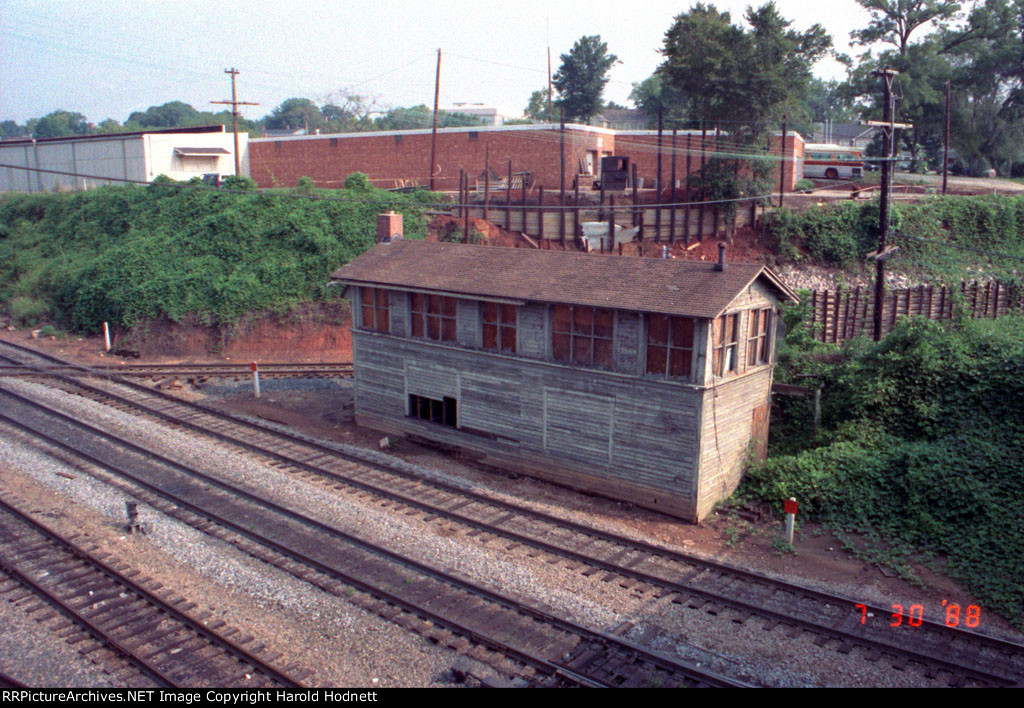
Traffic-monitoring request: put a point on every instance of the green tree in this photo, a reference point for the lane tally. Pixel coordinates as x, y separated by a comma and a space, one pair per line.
60, 124
173, 114
987, 55
703, 65
979, 52
109, 126
650, 96
581, 78
537, 108
296, 113
10, 129
744, 80
346, 111
826, 101
422, 117
893, 21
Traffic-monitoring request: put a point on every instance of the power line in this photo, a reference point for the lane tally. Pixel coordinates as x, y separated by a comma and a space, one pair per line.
382, 202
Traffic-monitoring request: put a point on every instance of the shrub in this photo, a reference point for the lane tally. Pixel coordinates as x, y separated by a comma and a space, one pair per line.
28, 311
945, 237
920, 442
357, 180
239, 184
125, 254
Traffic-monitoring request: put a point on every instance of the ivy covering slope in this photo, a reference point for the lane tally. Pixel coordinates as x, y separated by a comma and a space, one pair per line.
920, 447
127, 254
948, 238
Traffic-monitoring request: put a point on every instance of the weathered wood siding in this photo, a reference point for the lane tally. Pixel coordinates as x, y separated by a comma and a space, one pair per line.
631, 437
727, 420
628, 329
532, 331
398, 303
467, 330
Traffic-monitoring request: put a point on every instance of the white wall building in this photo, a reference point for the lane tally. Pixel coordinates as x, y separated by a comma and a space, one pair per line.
488, 114
93, 160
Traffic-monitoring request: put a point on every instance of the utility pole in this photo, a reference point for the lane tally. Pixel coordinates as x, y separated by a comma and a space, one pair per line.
433, 134
235, 103
549, 84
945, 147
888, 148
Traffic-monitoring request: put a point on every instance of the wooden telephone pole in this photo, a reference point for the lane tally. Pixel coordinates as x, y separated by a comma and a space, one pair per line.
235, 103
888, 150
433, 132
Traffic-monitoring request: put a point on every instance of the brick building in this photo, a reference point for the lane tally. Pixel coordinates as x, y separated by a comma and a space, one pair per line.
641, 379
402, 157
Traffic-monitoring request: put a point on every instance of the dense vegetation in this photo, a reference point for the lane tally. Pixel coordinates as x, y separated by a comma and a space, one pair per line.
918, 450
946, 238
125, 254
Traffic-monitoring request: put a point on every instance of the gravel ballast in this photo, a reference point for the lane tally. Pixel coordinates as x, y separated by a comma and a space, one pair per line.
743, 651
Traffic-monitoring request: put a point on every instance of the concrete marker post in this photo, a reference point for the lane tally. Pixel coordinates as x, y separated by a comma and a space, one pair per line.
106, 335
255, 380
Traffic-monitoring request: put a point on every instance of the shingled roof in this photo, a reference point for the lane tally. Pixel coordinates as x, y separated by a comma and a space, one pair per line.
675, 287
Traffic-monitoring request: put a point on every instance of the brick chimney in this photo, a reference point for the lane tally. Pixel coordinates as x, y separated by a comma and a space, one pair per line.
389, 227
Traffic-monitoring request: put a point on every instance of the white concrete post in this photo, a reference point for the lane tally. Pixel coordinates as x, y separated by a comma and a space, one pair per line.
255, 380
106, 335
790, 508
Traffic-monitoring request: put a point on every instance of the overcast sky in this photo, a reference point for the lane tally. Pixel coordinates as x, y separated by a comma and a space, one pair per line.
107, 58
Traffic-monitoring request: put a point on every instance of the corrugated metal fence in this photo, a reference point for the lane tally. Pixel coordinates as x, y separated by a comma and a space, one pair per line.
838, 315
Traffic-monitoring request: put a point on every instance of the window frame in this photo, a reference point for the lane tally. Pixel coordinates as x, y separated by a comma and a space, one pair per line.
577, 334
434, 325
380, 305
758, 344
723, 351
444, 412
505, 327
669, 345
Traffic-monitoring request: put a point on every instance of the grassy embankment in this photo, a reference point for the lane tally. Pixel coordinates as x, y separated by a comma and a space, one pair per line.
129, 254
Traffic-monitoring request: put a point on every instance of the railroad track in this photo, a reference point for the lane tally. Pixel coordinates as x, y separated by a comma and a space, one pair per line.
188, 371
644, 568
144, 635
562, 651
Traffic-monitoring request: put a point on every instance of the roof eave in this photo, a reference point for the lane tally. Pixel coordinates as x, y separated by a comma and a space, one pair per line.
773, 278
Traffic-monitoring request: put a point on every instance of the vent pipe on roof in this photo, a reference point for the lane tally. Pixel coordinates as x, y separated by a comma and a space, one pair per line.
721, 257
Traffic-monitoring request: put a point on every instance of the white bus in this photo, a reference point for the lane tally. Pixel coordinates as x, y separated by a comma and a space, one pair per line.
827, 161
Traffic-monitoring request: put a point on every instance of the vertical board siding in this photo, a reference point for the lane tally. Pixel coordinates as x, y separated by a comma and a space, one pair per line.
549, 225
531, 331
398, 303
467, 329
627, 342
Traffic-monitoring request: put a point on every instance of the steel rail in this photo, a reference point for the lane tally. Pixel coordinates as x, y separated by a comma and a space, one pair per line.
690, 589
659, 659
140, 664
159, 605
